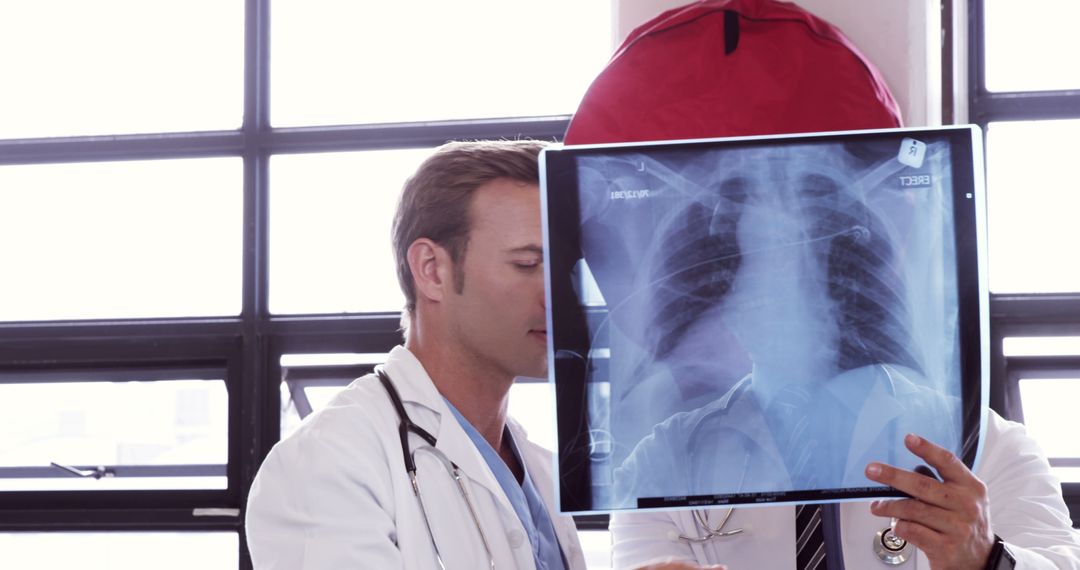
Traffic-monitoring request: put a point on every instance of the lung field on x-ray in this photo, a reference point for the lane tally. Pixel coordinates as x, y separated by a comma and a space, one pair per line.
813, 237
700, 261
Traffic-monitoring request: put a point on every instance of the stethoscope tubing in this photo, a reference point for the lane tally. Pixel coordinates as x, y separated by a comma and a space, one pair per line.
406, 426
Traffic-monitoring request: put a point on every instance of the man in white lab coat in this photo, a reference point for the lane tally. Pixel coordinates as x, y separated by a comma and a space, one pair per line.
336, 494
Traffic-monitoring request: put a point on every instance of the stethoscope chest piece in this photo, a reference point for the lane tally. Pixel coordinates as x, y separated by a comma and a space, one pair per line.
891, 549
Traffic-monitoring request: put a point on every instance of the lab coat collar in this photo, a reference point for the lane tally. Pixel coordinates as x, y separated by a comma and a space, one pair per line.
732, 426
427, 408
741, 403
873, 395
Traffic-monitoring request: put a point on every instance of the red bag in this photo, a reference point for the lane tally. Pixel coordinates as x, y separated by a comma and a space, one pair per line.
719, 68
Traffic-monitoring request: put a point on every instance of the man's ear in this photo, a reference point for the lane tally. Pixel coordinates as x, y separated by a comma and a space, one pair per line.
432, 269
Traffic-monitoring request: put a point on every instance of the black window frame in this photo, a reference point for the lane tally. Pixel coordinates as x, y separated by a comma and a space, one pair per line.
1020, 314
250, 345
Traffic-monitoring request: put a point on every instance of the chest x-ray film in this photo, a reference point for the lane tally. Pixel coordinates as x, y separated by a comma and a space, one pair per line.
742, 321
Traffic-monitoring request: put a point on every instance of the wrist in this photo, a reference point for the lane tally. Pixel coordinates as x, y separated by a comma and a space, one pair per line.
1000, 557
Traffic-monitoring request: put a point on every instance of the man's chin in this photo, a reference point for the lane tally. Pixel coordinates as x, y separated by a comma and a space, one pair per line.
538, 372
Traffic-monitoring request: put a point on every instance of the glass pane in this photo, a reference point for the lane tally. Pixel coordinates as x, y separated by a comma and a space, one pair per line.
588, 292
120, 550
1032, 46
331, 359
290, 413
310, 381
320, 396
596, 544
1041, 346
375, 62
1049, 406
157, 238
73, 67
532, 404
1032, 201
182, 424
330, 217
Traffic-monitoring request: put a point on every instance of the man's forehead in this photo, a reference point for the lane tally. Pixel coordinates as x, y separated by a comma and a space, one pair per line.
505, 203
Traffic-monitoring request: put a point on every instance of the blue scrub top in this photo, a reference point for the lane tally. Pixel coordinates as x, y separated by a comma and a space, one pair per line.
524, 498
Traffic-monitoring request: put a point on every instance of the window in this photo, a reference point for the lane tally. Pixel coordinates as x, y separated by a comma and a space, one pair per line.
310, 381
432, 60
72, 431
1025, 93
131, 239
71, 69
1027, 51
1031, 197
120, 551
1052, 423
330, 243
188, 200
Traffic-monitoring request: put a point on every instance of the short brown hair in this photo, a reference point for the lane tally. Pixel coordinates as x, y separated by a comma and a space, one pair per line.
434, 202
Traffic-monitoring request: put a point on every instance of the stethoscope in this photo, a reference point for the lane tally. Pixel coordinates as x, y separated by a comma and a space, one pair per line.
405, 426
708, 532
890, 549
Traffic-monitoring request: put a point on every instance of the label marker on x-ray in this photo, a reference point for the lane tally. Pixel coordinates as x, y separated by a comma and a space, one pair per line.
912, 153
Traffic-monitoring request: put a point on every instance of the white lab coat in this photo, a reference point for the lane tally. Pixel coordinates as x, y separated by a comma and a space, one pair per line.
335, 495
1026, 510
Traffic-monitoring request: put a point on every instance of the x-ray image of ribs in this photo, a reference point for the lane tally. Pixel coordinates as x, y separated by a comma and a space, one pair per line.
811, 239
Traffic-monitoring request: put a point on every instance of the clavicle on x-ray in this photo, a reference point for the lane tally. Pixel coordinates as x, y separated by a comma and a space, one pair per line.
757, 320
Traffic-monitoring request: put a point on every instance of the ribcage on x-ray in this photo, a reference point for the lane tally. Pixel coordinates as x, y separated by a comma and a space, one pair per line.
699, 262
872, 317
700, 255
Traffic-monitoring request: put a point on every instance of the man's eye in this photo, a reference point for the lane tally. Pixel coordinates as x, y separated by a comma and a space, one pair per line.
527, 264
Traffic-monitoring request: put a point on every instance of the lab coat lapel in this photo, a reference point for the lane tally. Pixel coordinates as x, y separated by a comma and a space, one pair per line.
455, 443
734, 427
871, 401
428, 409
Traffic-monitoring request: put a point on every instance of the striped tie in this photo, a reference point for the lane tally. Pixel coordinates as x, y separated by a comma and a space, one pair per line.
809, 538
789, 415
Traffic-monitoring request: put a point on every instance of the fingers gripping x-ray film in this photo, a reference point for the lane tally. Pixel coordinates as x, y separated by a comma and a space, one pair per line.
735, 276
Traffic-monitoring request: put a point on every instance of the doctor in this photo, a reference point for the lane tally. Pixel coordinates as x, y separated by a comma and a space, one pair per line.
1009, 513
339, 493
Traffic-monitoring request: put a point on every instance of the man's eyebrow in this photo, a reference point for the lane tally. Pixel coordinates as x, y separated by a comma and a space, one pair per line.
527, 249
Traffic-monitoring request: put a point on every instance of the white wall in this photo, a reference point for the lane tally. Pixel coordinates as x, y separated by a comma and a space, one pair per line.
900, 37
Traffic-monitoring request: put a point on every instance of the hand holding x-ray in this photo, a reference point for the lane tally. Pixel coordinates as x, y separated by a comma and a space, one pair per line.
948, 519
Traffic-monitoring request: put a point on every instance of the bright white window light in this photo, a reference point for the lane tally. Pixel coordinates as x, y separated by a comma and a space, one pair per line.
120, 550
135, 239
72, 67
330, 217
1032, 200
1050, 416
382, 62
1029, 50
